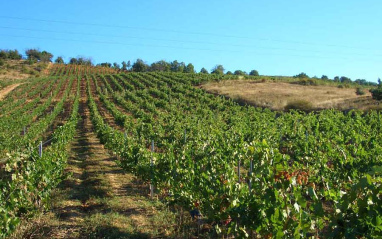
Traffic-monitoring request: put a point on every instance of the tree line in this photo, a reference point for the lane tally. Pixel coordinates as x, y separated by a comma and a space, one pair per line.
35, 55
338, 79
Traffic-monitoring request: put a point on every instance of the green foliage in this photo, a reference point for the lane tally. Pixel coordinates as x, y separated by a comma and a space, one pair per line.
176, 66
160, 66
27, 179
218, 70
360, 91
36, 55
305, 81
345, 80
73, 61
324, 77
297, 190
377, 93
299, 105
254, 73
204, 71
59, 60
240, 73
124, 66
10, 55
81, 61
116, 66
105, 64
189, 68
301, 75
139, 66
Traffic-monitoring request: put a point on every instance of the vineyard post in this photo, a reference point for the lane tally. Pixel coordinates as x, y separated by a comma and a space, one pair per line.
25, 130
152, 164
238, 171
250, 175
185, 136
40, 149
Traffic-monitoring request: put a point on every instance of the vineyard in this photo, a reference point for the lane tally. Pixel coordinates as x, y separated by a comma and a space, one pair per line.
236, 170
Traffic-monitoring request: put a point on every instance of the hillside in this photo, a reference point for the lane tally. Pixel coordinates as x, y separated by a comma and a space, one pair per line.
13, 71
280, 95
93, 153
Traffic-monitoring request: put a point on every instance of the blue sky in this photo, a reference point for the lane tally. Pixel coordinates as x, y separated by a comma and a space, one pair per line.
335, 38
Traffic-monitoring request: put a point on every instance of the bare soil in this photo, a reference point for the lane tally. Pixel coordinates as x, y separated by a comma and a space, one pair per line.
5, 91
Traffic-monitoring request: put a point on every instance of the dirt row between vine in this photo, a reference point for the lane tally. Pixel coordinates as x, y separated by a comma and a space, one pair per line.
6, 90
98, 199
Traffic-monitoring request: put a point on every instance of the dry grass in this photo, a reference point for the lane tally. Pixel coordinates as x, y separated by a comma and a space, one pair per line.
6, 90
278, 95
16, 70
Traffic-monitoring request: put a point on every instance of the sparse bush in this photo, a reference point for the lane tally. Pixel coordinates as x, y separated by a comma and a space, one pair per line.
1, 62
360, 91
24, 69
343, 86
374, 107
307, 82
299, 105
301, 75
376, 93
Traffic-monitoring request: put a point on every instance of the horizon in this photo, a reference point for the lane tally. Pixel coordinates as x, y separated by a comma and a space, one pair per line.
326, 38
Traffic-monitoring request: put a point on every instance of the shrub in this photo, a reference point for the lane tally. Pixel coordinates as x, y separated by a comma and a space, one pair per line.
299, 105
1, 62
307, 82
360, 91
376, 93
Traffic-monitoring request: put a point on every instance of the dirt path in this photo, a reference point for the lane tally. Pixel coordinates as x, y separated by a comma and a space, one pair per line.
99, 200
6, 90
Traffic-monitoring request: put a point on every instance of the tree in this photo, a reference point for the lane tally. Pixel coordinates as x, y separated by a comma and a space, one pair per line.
229, 73
124, 66
345, 79
116, 65
177, 66
73, 61
189, 68
254, 73
80, 61
105, 64
128, 64
324, 77
46, 56
33, 54
59, 60
336, 79
361, 82
218, 69
301, 75
14, 55
139, 66
240, 73
3, 54
204, 71
161, 65
377, 92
